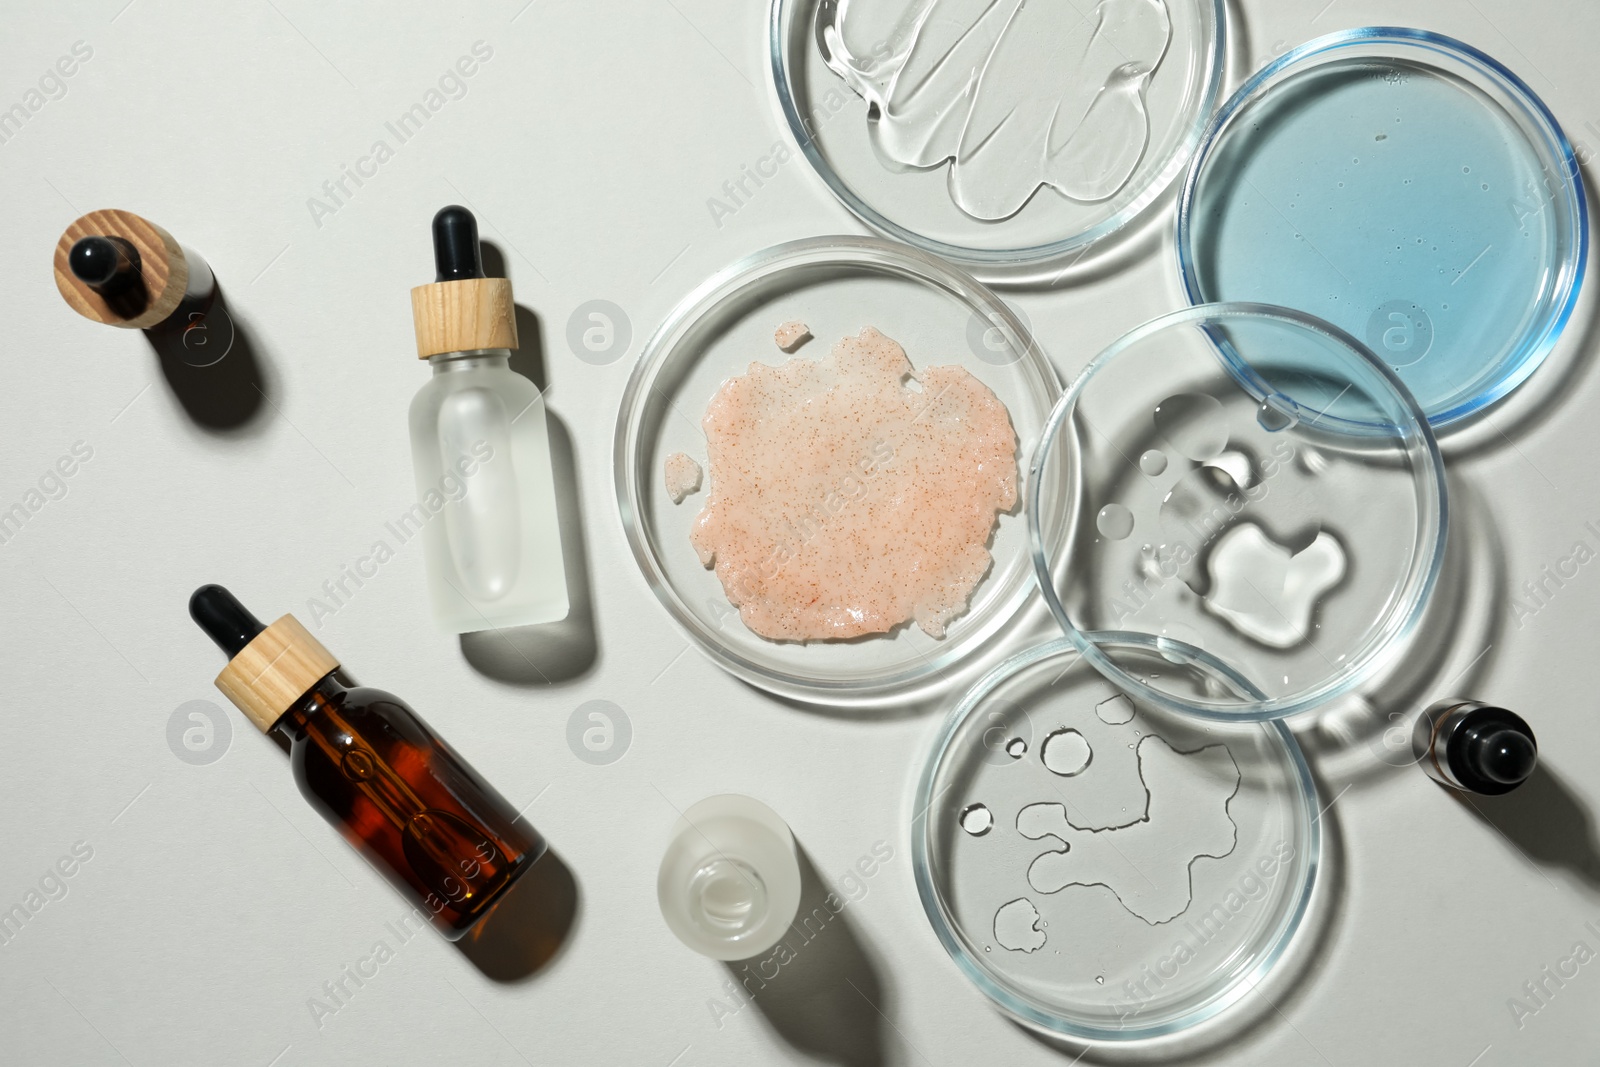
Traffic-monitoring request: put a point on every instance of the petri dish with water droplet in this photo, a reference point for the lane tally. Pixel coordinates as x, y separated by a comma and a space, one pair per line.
1294, 532
1009, 137
1405, 187
1141, 896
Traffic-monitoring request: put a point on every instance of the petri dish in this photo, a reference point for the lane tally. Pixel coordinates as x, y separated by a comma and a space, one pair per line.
1007, 137
1405, 187
836, 286
1250, 481
1103, 868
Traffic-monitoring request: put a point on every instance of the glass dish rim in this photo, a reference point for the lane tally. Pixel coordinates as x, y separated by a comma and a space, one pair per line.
1027, 1013
1559, 299
1005, 266
1402, 621
867, 251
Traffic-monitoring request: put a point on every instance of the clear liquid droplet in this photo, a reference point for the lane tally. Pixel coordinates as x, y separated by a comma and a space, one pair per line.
977, 819
1114, 522
1275, 416
1066, 752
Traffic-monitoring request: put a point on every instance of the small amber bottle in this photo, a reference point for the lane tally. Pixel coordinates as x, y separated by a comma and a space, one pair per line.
393, 788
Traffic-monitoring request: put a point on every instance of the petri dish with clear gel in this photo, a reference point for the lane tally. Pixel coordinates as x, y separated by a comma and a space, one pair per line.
1009, 137
1405, 187
1101, 867
1250, 481
836, 286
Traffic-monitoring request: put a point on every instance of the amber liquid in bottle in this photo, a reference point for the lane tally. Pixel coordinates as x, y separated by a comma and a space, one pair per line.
393, 788
402, 797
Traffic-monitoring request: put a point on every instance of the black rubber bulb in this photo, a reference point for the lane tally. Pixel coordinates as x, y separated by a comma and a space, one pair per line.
1503, 755
455, 244
105, 264
225, 620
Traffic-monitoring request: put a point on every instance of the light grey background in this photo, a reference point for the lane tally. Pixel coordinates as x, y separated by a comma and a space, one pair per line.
216, 903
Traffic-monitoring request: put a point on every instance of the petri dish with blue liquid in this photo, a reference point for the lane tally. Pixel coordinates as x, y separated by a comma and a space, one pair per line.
1406, 188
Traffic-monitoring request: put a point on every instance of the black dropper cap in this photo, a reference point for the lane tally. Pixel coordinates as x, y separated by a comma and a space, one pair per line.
108, 265
1491, 751
456, 253
225, 620
1502, 755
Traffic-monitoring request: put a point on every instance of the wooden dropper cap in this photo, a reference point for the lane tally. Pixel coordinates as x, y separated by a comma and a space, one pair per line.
461, 310
271, 667
151, 272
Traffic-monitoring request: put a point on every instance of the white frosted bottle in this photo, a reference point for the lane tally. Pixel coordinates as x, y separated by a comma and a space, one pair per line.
480, 448
729, 883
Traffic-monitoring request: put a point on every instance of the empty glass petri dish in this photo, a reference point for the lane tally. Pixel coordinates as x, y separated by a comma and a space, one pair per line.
1405, 187
835, 286
1250, 481
1101, 867
1007, 137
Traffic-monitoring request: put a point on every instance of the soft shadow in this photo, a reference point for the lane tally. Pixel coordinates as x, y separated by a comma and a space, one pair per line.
1110, 256
529, 928
1456, 642
1239, 63
550, 652
1548, 823
1553, 385
555, 651
528, 359
818, 988
209, 361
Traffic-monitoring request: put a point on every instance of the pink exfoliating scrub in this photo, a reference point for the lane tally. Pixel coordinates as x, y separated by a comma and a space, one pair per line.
843, 501
682, 475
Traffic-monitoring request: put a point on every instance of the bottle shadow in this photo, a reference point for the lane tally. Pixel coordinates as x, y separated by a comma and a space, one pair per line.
1545, 821
530, 927
554, 652
818, 988
209, 360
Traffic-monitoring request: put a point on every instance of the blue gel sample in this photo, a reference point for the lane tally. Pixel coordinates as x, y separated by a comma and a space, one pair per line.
1405, 189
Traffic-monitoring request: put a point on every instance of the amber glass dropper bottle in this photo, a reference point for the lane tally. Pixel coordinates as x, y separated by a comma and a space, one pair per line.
393, 788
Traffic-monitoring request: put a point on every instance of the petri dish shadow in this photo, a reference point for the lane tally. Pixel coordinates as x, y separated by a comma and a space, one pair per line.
825, 996
527, 930
1368, 735
554, 652
1550, 388
210, 364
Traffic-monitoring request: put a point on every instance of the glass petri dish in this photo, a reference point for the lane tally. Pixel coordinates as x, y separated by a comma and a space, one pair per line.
904, 141
1406, 188
1250, 481
836, 286
1103, 868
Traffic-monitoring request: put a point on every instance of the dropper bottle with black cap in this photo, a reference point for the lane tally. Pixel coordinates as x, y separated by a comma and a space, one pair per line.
486, 502
1475, 747
393, 788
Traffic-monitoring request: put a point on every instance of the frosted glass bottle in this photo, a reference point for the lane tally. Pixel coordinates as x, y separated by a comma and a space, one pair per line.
480, 449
